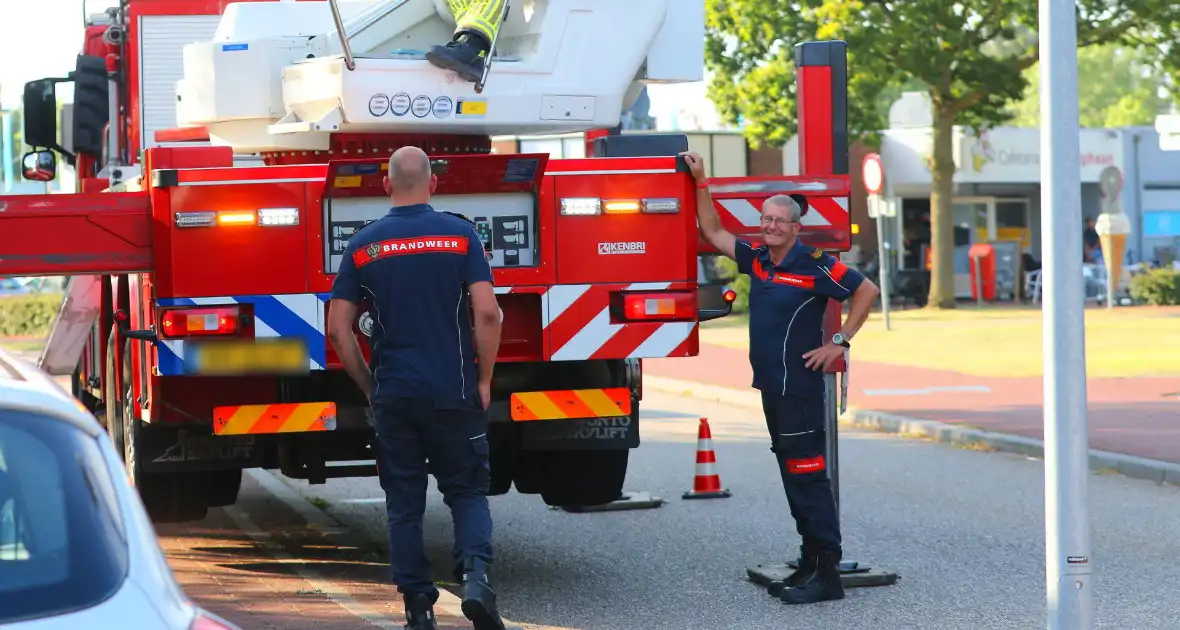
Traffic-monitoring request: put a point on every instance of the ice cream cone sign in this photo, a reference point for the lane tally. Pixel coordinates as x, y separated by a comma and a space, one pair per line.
981, 152
1112, 226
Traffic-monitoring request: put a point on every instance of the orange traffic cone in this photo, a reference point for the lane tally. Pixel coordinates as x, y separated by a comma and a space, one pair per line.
707, 483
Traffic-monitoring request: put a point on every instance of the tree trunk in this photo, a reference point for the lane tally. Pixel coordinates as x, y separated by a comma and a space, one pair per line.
942, 234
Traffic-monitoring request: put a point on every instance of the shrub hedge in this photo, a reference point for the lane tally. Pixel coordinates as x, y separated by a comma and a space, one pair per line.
29, 315
1158, 287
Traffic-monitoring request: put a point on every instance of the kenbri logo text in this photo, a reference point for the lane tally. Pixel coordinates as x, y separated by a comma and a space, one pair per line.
624, 247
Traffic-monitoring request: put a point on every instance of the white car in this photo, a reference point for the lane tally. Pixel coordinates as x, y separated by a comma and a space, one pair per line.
76, 547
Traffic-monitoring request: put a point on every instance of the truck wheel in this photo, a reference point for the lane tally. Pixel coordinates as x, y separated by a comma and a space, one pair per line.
224, 486
113, 417
504, 454
584, 478
167, 497
95, 407
531, 469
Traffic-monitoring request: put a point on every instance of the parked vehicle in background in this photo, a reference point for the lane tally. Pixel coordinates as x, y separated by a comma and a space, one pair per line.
76, 547
11, 286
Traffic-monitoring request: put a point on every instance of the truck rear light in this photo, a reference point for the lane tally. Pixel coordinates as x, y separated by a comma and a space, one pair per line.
651, 307
236, 218
192, 322
266, 217
670, 205
278, 216
574, 206
621, 206
195, 219
581, 206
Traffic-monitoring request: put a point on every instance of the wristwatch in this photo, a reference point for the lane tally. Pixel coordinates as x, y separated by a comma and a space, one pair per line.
839, 340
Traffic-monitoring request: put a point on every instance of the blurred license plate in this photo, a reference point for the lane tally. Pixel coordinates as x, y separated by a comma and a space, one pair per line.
254, 356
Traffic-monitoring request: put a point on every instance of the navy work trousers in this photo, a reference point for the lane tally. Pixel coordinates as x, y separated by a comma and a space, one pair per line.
411, 431
796, 426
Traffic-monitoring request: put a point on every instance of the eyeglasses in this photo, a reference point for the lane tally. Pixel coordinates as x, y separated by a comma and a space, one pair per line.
776, 221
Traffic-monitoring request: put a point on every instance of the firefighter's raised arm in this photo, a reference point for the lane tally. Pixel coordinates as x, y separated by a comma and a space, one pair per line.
707, 219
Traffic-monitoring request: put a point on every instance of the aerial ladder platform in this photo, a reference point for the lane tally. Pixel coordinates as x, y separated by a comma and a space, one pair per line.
305, 84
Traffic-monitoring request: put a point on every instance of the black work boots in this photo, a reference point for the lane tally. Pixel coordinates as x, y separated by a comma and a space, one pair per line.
466, 55
816, 579
807, 561
419, 612
479, 600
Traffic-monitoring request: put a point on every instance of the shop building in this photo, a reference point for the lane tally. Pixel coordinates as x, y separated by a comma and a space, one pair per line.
997, 185
997, 189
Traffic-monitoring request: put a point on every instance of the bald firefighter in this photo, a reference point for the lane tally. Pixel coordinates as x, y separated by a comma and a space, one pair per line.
476, 23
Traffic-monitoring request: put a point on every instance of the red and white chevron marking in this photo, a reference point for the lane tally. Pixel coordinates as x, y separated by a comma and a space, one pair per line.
823, 212
576, 322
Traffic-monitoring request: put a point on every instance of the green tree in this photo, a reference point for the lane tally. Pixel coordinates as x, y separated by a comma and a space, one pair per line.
968, 55
15, 141
1119, 86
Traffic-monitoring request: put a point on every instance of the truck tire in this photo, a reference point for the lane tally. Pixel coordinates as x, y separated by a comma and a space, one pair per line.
95, 407
113, 415
505, 452
531, 470
583, 478
167, 497
91, 112
224, 486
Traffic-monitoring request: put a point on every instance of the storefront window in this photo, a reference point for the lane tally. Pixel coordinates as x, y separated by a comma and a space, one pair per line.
1012, 221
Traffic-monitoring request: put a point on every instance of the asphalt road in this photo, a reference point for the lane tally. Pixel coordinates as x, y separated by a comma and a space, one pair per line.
964, 529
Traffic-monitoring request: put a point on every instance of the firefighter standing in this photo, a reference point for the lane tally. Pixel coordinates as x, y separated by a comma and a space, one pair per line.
420, 268
790, 284
476, 24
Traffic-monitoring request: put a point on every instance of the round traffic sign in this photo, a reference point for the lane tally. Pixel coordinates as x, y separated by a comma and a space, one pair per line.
872, 174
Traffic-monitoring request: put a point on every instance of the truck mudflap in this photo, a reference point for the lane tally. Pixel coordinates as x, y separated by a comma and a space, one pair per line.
166, 449
581, 419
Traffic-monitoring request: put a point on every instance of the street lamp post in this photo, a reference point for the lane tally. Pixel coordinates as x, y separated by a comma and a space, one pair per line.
1068, 558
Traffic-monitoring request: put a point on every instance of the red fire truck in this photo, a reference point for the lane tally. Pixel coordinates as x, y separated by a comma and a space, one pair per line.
225, 152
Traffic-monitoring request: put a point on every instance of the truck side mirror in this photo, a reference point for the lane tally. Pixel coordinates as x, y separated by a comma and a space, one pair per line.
40, 166
802, 201
40, 114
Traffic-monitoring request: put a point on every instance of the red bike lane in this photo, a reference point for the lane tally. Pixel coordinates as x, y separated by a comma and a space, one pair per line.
1131, 416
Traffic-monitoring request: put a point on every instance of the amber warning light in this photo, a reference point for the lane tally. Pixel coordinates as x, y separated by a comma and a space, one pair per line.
265, 217
574, 206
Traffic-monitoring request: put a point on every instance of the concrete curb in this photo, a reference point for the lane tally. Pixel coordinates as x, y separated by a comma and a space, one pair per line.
1127, 465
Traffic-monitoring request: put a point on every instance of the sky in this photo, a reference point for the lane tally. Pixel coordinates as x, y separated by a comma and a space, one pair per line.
39, 43
45, 42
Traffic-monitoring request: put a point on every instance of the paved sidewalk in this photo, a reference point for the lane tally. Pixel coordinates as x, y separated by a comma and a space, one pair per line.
1133, 416
260, 565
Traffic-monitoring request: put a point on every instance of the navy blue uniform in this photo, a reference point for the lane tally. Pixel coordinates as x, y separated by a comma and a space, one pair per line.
414, 265
787, 306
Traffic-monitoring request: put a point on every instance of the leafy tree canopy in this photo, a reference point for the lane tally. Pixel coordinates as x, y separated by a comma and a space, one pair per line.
972, 57
1118, 87
969, 56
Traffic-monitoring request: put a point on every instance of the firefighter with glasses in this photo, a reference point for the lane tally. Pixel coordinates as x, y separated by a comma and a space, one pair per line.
790, 284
